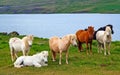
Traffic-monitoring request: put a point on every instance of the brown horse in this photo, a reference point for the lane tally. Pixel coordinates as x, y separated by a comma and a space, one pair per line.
85, 36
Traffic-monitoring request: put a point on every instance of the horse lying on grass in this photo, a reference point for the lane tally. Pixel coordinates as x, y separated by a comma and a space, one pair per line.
59, 45
37, 60
17, 44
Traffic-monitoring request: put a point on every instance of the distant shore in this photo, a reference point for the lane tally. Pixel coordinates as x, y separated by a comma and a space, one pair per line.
59, 6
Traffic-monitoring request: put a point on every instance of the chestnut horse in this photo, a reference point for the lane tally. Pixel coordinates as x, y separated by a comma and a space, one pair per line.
85, 36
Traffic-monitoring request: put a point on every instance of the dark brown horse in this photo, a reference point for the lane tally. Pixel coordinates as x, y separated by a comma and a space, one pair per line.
85, 36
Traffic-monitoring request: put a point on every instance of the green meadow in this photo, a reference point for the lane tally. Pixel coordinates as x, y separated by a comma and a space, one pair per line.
79, 62
59, 6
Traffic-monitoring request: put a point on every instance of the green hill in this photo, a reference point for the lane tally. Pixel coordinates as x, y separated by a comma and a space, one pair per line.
79, 62
59, 6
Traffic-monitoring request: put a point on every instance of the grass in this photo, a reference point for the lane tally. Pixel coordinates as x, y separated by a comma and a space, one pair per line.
59, 6
79, 63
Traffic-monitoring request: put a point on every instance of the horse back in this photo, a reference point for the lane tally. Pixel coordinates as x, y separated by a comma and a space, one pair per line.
15, 43
82, 35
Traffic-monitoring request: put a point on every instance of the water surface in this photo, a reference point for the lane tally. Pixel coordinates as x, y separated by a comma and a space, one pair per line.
48, 25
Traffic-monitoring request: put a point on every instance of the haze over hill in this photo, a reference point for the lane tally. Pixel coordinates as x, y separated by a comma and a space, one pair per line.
59, 6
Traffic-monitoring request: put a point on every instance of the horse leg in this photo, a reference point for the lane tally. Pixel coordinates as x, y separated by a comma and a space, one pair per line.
12, 55
12, 51
26, 52
87, 48
79, 46
91, 48
60, 57
16, 55
104, 48
109, 48
98, 47
66, 57
53, 55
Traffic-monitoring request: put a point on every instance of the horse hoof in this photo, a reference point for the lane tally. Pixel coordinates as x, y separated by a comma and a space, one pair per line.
54, 60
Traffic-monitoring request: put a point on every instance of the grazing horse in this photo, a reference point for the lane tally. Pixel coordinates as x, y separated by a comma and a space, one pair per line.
85, 36
103, 38
17, 44
103, 29
59, 45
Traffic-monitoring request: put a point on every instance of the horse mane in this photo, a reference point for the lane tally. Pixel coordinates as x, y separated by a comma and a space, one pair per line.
103, 29
25, 41
111, 28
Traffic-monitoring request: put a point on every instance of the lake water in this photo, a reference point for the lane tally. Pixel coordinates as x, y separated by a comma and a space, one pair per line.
48, 25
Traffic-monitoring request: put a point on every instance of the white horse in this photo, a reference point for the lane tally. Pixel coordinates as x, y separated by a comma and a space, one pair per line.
103, 38
17, 44
59, 45
37, 60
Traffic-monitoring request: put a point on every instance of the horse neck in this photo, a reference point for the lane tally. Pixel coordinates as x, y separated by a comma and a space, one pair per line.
25, 42
66, 41
90, 33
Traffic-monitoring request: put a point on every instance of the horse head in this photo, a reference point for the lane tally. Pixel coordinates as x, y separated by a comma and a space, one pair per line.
44, 56
73, 39
108, 31
111, 28
30, 39
91, 31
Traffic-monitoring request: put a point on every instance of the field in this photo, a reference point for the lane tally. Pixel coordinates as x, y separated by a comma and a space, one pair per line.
59, 6
79, 62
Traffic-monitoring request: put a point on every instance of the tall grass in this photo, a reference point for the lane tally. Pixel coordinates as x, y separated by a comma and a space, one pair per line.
79, 62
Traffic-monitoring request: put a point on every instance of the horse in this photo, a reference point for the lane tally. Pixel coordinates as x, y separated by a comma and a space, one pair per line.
59, 45
37, 60
17, 45
85, 36
103, 38
103, 29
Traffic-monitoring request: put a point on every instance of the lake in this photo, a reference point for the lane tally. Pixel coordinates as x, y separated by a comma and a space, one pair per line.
48, 25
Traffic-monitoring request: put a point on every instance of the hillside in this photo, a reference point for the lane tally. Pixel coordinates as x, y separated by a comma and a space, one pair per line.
79, 62
59, 6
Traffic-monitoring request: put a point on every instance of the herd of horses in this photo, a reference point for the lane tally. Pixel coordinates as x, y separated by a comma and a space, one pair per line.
58, 45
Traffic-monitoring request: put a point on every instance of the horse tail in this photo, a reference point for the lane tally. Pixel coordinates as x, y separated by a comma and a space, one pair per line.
94, 35
12, 53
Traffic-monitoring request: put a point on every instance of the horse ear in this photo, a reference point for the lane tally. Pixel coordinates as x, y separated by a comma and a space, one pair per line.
32, 35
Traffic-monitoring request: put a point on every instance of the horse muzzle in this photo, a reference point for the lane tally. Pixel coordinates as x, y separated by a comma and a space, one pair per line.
46, 62
75, 45
30, 45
